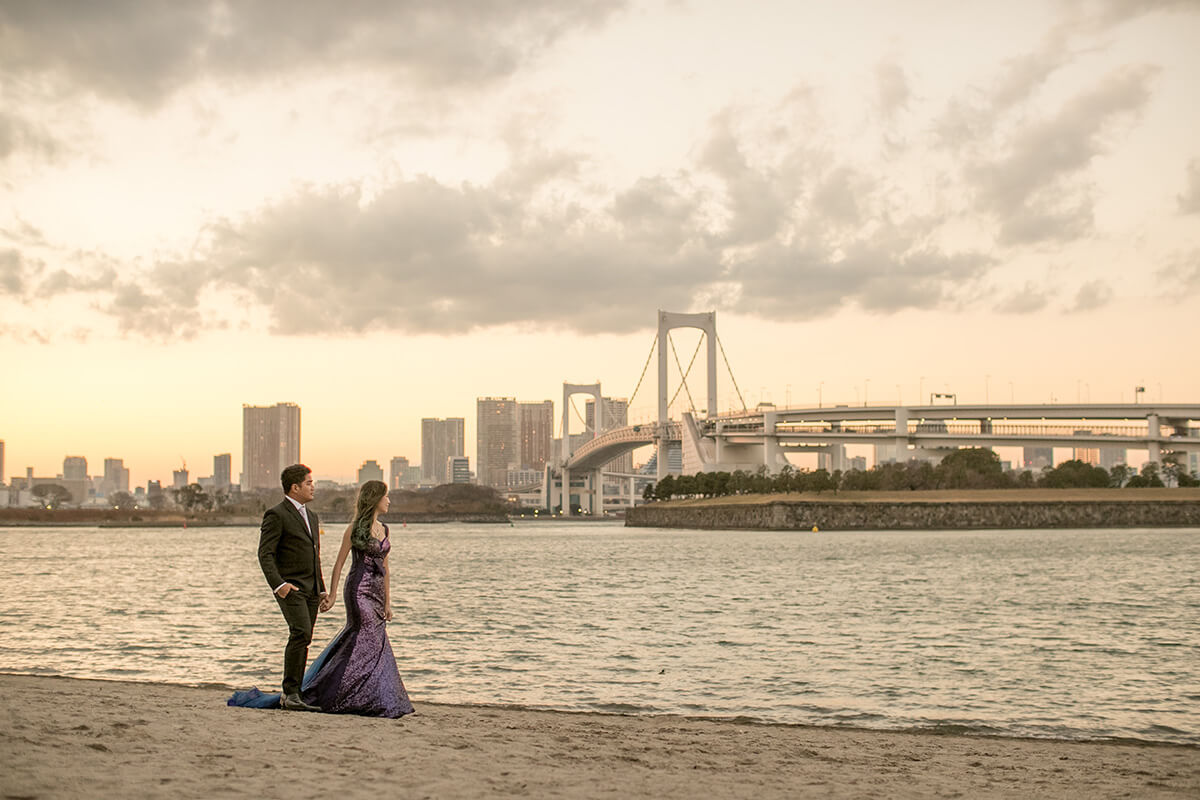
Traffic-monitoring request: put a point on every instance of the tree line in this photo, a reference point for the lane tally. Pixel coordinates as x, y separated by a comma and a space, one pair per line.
969, 468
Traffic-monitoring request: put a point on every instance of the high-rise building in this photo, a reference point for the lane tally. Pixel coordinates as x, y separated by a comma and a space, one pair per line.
440, 439
1, 462
535, 423
458, 468
616, 415
75, 468
396, 471
370, 471
116, 476
1035, 458
270, 442
497, 440
1112, 456
223, 471
75, 478
674, 461
179, 478
1088, 455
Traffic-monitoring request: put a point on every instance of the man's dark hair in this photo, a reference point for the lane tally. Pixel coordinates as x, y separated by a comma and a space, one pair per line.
294, 474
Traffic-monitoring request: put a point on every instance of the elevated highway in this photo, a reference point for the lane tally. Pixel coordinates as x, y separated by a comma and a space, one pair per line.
744, 440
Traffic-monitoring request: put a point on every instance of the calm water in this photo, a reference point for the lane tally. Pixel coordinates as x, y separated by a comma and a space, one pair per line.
1047, 633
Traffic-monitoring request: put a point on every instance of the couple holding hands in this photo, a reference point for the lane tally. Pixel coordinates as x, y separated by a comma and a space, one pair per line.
356, 673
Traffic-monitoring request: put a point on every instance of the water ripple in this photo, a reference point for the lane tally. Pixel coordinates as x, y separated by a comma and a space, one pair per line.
1067, 634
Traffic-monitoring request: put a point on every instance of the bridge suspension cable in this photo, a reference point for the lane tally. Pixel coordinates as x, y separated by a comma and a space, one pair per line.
575, 408
684, 375
730, 370
679, 366
646, 366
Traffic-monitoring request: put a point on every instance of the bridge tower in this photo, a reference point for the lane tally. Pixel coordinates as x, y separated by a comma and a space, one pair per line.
667, 321
569, 390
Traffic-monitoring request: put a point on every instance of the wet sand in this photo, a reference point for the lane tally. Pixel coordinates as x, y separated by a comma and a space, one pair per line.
62, 737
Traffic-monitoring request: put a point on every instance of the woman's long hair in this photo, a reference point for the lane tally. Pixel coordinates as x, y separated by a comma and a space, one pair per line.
369, 495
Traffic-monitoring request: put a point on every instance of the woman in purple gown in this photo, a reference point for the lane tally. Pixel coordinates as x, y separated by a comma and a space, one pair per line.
357, 674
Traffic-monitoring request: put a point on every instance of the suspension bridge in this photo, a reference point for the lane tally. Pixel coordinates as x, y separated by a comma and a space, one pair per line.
752, 438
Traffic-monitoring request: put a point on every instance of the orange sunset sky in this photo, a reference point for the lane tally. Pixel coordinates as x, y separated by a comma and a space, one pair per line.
384, 212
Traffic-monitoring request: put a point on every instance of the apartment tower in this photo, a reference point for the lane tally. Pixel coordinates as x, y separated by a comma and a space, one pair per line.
535, 423
270, 442
440, 439
497, 440
616, 415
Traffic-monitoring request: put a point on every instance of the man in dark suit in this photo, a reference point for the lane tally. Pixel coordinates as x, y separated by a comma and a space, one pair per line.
289, 551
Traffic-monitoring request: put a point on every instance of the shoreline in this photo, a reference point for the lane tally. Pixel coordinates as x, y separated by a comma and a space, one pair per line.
104, 738
936, 510
948, 730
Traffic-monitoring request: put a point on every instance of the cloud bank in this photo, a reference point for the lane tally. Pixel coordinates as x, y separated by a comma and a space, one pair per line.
767, 219
141, 52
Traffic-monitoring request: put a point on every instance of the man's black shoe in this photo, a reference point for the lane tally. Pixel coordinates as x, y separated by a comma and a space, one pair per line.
292, 702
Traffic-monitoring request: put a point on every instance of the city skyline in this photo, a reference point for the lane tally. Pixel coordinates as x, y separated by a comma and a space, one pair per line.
518, 435
880, 202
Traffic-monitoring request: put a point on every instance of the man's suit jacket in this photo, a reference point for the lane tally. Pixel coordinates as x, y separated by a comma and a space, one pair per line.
287, 552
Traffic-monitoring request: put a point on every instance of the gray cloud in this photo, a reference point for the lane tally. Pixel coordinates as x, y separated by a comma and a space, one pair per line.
757, 205
1113, 12
764, 222
1025, 300
13, 272
422, 256
1189, 201
1033, 177
970, 119
887, 272
1092, 295
1023, 75
837, 198
62, 281
1181, 277
142, 52
164, 315
18, 134
893, 88
1050, 216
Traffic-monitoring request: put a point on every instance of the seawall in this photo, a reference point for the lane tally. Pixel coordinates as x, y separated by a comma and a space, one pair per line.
917, 515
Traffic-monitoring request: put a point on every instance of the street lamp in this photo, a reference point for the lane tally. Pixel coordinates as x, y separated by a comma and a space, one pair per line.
819, 385
1136, 391
867, 385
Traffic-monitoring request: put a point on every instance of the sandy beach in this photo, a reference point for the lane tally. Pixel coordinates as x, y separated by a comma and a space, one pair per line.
63, 737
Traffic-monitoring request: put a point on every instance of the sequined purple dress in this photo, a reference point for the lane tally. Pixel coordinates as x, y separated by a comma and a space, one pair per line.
357, 674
